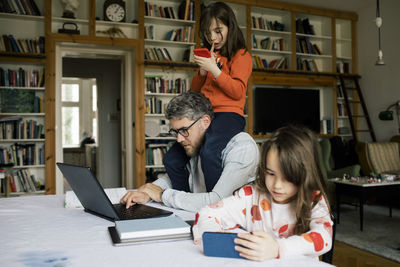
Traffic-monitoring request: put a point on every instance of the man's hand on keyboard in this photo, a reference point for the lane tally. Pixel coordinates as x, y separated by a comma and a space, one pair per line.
133, 197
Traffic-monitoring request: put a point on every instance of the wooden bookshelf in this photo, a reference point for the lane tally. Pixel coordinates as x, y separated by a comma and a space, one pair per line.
337, 30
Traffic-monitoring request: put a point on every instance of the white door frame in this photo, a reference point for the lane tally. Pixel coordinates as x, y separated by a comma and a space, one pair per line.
127, 104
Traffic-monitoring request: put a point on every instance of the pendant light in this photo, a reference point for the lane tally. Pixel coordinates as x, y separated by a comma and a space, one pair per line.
378, 21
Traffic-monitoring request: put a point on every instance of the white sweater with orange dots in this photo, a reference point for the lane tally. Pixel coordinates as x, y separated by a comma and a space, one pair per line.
252, 210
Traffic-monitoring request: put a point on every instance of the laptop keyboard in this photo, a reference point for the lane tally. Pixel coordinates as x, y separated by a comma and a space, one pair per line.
134, 212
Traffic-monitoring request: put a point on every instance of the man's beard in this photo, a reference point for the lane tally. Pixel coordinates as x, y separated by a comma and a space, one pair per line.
195, 150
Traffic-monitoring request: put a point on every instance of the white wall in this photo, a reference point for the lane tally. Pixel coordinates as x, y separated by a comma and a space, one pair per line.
380, 84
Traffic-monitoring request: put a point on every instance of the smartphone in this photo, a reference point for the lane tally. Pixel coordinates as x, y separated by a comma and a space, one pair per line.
202, 52
218, 244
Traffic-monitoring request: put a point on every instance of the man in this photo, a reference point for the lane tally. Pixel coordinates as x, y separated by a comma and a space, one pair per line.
190, 115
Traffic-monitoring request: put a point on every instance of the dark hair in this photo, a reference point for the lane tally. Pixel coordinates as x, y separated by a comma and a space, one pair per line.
298, 157
190, 104
221, 12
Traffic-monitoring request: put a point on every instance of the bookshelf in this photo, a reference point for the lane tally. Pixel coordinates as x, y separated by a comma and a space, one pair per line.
160, 86
22, 119
271, 38
169, 33
22, 95
334, 33
313, 43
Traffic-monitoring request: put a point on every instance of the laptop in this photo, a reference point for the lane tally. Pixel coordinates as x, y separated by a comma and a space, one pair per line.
95, 201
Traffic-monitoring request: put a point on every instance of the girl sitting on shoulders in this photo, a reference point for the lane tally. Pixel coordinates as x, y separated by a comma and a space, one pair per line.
285, 210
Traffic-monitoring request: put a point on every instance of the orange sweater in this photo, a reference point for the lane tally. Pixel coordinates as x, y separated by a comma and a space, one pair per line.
227, 93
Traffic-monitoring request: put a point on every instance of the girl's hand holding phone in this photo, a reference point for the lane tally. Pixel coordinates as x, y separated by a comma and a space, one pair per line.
208, 64
258, 246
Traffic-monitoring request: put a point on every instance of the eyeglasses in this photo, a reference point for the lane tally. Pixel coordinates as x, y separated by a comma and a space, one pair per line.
184, 131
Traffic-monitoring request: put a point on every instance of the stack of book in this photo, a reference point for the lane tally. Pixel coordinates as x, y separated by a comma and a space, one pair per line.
152, 229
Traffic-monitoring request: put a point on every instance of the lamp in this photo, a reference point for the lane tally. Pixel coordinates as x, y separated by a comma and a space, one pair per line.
378, 21
387, 115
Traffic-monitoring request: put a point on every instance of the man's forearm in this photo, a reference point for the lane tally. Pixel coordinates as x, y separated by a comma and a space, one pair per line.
188, 201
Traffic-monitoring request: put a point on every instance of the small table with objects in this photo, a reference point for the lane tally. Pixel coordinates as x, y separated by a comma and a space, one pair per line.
364, 187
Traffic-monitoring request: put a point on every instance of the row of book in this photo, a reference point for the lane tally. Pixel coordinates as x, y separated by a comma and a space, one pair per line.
21, 129
22, 154
155, 153
304, 45
343, 67
23, 181
22, 77
268, 43
21, 7
149, 32
157, 53
186, 11
161, 85
265, 24
326, 126
303, 26
262, 63
307, 64
9, 44
185, 34
342, 111
158, 11
154, 105
339, 91
20, 101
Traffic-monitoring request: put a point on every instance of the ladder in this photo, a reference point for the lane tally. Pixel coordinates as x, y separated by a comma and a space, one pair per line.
349, 83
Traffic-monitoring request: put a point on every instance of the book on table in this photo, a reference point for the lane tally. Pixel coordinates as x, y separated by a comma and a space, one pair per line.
168, 228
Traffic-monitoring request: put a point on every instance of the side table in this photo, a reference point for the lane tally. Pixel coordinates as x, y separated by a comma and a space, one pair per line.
362, 189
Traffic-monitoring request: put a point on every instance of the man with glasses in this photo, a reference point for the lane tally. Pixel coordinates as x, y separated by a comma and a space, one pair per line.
190, 115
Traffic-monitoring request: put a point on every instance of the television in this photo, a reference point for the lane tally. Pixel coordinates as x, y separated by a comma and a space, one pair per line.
276, 107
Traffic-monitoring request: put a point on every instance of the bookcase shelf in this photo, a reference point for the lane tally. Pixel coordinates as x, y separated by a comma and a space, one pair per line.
168, 43
21, 140
24, 114
174, 22
11, 16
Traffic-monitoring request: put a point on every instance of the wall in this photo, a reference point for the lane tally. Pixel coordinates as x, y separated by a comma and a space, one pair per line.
380, 84
108, 75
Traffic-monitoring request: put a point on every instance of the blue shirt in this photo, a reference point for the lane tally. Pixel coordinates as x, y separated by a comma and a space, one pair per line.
239, 160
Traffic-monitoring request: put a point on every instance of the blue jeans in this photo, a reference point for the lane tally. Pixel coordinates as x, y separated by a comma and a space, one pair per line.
224, 126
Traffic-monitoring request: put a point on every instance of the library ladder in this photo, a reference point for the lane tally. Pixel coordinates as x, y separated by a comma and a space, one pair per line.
349, 83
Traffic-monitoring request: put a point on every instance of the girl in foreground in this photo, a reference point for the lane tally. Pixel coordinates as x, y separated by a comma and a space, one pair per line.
285, 210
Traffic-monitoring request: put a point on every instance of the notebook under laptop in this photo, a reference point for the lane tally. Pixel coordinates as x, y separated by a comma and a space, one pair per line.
93, 198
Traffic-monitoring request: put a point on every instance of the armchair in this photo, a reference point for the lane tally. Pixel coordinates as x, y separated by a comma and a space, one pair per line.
380, 157
326, 166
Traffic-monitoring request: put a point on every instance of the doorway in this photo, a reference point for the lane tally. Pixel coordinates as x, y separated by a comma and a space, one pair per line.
111, 154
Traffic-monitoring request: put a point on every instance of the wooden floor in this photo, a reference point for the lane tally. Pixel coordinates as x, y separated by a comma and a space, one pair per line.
348, 256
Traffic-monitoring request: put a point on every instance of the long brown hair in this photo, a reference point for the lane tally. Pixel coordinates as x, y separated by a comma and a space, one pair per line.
298, 157
221, 12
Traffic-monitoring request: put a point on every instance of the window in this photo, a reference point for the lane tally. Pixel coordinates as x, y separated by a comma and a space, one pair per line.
79, 110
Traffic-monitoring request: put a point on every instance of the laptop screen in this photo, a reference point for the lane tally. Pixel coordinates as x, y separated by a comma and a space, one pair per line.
88, 190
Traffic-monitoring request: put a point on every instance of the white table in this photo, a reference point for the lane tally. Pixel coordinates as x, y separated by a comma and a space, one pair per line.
39, 231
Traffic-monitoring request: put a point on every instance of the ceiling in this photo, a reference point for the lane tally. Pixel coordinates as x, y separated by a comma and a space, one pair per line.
346, 5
